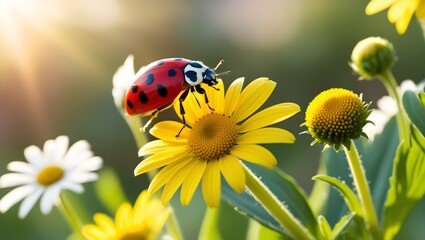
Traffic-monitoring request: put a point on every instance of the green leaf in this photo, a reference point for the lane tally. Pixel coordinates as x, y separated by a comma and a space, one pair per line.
109, 190
342, 225
415, 109
377, 158
325, 229
256, 231
407, 184
285, 189
350, 197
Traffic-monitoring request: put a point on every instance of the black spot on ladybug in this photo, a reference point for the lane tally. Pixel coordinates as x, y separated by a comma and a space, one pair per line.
195, 65
134, 88
177, 59
172, 73
143, 98
129, 104
191, 75
162, 90
159, 63
149, 79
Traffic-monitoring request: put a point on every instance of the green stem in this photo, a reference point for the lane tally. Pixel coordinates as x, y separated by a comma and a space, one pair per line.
75, 223
174, 227
402, 122
209, 229
362, 187
275, 207
135, 125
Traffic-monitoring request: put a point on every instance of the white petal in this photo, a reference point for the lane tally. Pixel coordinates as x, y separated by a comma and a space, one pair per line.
75, 187
83, 177
50, 196
77, 160
61, 145
75, 150
92, 164
48, 151
29, 202
34, 156
15, 196
21, 167
15, 179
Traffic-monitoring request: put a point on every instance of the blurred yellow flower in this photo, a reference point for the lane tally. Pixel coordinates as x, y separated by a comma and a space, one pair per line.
143, 221
214, 141
400, 11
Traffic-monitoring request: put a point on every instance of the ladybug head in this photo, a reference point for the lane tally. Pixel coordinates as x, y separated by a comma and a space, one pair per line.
196, 73
210, 77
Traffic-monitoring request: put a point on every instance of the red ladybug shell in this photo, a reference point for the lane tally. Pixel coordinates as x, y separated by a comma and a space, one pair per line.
158, 85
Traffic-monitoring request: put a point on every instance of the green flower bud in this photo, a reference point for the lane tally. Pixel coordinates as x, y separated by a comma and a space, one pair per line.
372, 56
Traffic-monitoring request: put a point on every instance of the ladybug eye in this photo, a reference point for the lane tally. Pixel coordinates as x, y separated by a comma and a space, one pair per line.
209, 75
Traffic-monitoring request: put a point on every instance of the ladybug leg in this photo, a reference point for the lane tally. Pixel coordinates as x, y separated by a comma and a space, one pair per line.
155, 114
182, 112
200, 90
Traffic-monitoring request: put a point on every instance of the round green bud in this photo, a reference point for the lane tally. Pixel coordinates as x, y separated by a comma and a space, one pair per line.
372, 56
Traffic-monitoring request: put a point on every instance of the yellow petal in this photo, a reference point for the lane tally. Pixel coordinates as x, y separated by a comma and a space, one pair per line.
123, 216
161, 159
174, 183
105, 223
211, 184
167, 131
215, 97
165, 174
156, 146
268, 116
140, 206
93, 232
375, 6
266, 135
232, 96
191, 181
233, 172
191, 107
159, 222
252, 97
420, 10
255, 154
401, 13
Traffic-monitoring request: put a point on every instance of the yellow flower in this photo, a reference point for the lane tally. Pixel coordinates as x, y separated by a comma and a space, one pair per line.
144, 221
400, 11
336, 116
214, 141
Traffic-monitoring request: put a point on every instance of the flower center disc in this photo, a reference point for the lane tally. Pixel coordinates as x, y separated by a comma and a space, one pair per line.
212, 136
133, 235
49, 175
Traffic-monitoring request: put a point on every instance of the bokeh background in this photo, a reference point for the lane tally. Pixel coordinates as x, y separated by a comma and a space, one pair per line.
57, 59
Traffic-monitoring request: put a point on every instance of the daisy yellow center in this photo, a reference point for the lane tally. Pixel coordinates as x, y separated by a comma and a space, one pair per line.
212, 136
50, 175
335, 116
132, 235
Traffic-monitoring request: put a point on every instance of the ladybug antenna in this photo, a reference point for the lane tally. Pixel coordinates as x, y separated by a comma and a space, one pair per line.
223, 73
218, 65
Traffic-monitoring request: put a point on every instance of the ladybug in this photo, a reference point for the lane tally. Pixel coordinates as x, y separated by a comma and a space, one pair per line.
159, 84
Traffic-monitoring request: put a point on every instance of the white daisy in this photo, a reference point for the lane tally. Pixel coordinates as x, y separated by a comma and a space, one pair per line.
122, 80
387, 107
47, 173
